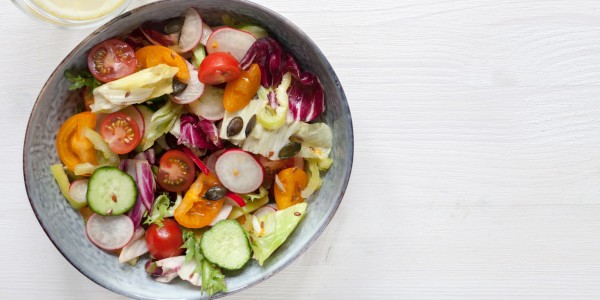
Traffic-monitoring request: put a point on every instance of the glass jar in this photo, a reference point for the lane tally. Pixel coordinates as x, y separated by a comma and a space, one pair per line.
73, 13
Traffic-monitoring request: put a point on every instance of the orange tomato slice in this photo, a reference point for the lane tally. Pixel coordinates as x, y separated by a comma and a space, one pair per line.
239, 92
293, 181
154, 55
195, 211
71, 144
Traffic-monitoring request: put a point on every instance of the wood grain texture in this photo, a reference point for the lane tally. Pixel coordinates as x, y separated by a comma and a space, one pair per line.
477, 169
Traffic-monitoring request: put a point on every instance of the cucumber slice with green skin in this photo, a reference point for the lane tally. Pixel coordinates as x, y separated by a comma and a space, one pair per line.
226, 245
111, 191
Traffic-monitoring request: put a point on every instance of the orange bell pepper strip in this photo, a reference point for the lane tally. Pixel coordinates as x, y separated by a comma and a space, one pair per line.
71, 144
195, 211
293, 181
239, 92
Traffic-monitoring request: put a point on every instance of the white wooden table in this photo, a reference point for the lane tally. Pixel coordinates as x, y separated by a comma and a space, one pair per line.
477, 166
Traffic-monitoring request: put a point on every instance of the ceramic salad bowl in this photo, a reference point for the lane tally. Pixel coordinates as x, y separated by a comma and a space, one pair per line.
64, 225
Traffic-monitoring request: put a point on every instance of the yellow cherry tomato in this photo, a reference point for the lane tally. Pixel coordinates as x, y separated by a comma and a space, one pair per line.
239, 92
154, 55
289, 188
71, 144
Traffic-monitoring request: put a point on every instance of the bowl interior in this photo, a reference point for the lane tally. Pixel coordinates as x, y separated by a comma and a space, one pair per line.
65, 227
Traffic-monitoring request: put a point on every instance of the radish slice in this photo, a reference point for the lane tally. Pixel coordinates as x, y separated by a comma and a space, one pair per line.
206, 32
136, 115
191, 32
223, 214
211, 160
196, 160
109, 232
135, 248
210, 105
194, 89
264, 210
233, 41
237, 199
78, 190
239, 171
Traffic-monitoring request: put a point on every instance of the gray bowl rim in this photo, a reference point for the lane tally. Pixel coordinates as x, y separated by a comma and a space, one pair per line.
311, 44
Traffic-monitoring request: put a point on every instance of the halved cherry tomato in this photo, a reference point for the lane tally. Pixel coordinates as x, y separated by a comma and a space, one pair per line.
195, 211
111, 60
239, 92
217, 68
293, 180
71, 144
164, 241
120, 132
176, 171
154, 55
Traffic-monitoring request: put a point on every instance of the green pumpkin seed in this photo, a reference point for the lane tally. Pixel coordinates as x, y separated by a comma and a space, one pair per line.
289, 150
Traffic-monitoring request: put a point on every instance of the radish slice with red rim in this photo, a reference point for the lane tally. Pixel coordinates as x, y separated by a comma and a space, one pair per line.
223, 214
206, 32
191, 32
109, 232
235, 198
194, 88
211, 160
230, 40
239, 171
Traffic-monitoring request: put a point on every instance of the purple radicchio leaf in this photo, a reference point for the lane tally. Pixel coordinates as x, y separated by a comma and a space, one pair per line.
138, 210
148, 155
211, 131
266, 52
145, 183
272, 99
306, 98
192, 135
306, 95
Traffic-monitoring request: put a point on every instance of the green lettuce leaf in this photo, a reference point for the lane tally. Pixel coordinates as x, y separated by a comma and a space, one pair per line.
251, 206
285, 222
316, 140
314, 179
161, 122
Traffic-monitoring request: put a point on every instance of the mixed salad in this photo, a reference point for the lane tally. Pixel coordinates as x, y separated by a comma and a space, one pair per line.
195, 144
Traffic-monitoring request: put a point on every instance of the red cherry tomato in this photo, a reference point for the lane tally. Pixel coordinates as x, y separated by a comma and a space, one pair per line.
120, 132
217, 68
176, 171
165, 241
111, 60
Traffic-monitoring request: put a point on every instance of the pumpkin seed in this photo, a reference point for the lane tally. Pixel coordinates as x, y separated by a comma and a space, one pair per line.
289, 150
178, 87
215, 193
235, 126
250, 125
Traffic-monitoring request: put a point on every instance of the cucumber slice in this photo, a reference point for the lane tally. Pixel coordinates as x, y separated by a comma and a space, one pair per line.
111, 191
226, 245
